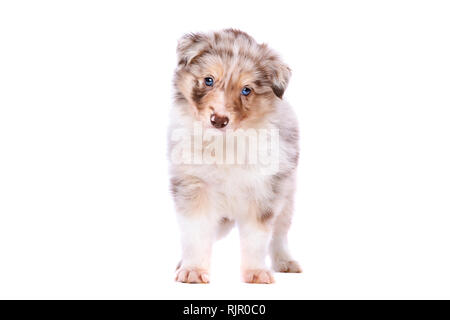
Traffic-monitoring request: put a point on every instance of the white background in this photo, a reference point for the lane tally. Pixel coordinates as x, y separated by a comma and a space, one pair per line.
85, 91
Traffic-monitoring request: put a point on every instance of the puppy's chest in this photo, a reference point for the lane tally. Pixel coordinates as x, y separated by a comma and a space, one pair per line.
235, 182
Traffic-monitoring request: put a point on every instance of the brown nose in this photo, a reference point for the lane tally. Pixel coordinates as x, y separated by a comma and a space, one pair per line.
219, 121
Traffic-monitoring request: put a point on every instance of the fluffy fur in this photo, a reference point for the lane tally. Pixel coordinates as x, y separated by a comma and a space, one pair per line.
211, 198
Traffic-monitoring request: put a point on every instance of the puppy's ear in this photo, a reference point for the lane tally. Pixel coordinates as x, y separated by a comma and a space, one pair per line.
280, 80
278, 71
190, 46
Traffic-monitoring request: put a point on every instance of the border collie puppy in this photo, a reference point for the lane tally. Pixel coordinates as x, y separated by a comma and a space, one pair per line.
233, 148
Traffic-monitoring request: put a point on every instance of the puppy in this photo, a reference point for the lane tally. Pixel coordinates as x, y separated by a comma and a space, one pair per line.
228, 85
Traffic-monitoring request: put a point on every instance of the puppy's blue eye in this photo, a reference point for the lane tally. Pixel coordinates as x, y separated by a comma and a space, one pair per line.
209, 81
246, 91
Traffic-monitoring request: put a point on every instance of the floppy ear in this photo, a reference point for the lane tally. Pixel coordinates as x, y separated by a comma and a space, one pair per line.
281, 74
190, 46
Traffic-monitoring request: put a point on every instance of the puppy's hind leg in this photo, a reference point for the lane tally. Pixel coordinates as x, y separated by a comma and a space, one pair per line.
282, 260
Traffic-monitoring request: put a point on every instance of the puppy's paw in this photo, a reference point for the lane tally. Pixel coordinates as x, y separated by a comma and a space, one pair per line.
192, 276
290, 266
258, 276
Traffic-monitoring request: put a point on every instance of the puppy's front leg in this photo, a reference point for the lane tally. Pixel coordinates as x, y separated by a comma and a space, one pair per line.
196, 226
255, 236
196, 244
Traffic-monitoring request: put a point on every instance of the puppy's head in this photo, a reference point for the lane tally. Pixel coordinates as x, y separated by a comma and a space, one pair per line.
228, 80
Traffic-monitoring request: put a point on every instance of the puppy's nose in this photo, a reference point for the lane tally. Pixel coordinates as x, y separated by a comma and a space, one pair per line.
219, 121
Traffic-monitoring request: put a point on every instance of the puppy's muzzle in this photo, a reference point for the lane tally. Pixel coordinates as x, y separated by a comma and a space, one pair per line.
219, 121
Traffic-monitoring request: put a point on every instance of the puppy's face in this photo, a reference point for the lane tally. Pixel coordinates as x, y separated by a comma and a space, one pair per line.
228, 80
